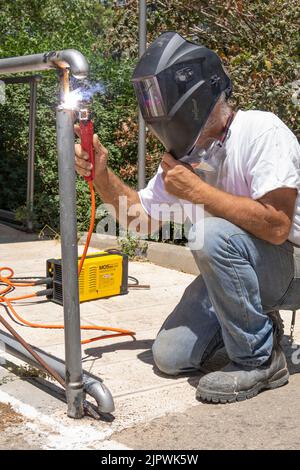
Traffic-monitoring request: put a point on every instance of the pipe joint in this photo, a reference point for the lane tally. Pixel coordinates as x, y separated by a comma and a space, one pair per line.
68, 58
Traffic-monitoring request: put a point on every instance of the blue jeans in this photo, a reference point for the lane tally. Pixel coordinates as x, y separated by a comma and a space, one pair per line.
242, 279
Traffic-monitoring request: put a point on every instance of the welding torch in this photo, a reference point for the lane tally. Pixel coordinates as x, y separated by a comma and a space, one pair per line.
86, 136
87, 132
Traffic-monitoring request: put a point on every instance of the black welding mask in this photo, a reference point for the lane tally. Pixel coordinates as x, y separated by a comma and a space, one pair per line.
177, 84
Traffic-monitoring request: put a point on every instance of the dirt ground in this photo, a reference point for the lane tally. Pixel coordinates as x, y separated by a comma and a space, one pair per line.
12, 430
8, 417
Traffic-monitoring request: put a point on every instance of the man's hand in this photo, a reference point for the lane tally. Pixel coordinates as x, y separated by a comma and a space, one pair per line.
179, 178
82, 165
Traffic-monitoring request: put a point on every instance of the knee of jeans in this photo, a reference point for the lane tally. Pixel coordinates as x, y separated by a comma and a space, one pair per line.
166, 354
216, 233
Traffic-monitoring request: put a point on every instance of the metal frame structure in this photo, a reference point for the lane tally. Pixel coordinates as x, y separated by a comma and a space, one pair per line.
32, 80
142, 126
64, 62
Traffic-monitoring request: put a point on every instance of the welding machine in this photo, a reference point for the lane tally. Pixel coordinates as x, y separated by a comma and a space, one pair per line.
104, 274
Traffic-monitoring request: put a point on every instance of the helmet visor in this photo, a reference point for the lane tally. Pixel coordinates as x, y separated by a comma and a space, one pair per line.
149, 97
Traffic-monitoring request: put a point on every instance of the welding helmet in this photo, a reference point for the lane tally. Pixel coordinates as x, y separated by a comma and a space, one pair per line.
177, 84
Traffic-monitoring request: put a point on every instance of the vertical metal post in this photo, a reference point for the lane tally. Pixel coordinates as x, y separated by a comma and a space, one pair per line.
142, 127
30, 163
68, 230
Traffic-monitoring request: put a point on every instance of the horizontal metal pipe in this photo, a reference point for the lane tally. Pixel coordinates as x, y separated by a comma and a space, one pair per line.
17, 80
69, 58
32, 352
91, 385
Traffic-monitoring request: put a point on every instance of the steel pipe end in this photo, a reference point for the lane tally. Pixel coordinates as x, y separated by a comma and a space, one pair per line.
101, 394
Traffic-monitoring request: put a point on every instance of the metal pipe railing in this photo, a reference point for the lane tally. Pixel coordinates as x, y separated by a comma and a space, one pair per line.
31, 152
64, 61
68, 229
92, 387
142, 125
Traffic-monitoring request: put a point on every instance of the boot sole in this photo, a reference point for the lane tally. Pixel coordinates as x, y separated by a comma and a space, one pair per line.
278, 380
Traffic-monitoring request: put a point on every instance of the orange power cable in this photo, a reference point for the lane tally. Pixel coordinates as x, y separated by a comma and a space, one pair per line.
91, 227
10, 284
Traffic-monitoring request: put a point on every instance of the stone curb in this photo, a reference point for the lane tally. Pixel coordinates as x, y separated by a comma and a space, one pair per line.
163, 254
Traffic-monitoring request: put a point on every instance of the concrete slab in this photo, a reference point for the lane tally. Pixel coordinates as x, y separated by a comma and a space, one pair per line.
149, 406
267, 422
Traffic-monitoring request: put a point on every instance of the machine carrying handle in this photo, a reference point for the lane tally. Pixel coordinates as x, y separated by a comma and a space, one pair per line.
87, 133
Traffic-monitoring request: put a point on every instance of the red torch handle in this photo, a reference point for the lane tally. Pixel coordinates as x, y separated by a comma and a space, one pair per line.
87, 132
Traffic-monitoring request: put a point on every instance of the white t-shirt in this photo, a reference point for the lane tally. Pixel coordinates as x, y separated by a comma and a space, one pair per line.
262, 154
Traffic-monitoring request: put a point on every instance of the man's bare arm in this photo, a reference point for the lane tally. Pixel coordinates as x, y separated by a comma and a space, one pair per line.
109, 186
269, 218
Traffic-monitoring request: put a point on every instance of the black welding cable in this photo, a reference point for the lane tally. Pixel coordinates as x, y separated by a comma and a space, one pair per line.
10, 315
12, 288
135, 280
28, 277
44, 292
32, 280
137, 284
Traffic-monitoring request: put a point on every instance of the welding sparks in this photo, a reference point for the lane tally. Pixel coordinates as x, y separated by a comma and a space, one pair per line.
72, 99
85, 93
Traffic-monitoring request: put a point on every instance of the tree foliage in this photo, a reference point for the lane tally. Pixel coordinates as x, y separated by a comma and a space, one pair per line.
28, 27
258, 42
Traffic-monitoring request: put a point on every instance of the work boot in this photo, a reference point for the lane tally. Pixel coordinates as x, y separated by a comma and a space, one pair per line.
236, 382
218, 358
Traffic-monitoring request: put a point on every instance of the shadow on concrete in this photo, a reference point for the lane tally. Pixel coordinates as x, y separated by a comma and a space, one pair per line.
145, 356
219, 359
130, 345
52, 389
43, 384
13, 235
